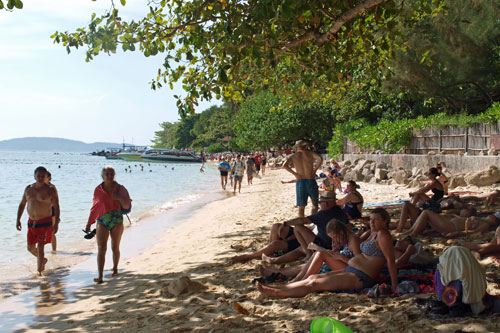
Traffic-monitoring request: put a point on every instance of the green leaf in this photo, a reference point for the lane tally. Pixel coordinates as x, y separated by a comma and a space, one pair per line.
1, 4
123, 2
18, 4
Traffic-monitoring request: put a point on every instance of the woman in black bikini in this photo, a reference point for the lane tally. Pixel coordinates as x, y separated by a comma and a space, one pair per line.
352, 203
410, 209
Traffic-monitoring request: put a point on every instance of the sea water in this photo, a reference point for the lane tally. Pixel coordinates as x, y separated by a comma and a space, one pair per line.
158, 187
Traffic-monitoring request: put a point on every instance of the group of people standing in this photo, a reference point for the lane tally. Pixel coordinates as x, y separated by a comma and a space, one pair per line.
42, 203
235, 166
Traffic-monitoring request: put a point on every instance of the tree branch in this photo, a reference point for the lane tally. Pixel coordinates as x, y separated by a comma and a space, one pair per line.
329, 35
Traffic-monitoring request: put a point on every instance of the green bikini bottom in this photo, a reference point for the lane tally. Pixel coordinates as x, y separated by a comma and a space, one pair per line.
111, 219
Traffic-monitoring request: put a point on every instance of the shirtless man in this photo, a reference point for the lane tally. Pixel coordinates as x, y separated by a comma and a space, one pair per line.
40, 198
305, 173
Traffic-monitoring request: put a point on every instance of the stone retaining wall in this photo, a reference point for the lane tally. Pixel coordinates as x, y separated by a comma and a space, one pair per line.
453, 163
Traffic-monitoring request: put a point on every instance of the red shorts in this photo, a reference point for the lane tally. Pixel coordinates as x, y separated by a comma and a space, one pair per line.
40, 231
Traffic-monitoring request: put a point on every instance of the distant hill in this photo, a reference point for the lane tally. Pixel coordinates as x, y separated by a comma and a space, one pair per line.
54, 144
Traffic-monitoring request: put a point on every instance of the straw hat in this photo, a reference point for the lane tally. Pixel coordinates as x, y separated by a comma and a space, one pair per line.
300, 143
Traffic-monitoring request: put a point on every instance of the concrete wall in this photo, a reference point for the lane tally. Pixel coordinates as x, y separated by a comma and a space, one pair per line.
453, 163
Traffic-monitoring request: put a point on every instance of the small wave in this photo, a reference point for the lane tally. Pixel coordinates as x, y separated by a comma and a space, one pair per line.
166, 206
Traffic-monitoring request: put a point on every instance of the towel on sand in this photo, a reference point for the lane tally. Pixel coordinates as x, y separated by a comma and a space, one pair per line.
458, 263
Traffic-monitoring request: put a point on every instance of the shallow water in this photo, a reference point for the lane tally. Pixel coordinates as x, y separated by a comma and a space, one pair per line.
156, 189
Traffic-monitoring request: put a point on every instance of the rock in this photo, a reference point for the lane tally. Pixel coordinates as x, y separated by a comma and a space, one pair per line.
373, 166
368, 178
416, 172
431, 153
414, 183
353, 174
399, 176
484, 177
360, 164
374, 180
367, 172
181, 286
381, 173
456, 181
382, 165
492, 152
344, 170
345, 163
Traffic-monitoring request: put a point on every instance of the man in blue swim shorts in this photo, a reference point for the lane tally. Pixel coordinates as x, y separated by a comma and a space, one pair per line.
306, 163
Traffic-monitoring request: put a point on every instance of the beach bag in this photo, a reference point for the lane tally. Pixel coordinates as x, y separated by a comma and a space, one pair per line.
123, 210
432, 205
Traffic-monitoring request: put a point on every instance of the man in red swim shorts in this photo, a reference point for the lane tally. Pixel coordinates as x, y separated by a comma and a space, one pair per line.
40, 198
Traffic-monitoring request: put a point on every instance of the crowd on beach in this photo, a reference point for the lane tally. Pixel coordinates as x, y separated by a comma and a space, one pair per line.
341, 246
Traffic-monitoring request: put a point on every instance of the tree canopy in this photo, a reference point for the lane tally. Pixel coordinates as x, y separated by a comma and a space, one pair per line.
224, 48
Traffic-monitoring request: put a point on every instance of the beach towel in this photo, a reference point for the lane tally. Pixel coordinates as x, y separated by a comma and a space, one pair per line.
458, 263
384, 204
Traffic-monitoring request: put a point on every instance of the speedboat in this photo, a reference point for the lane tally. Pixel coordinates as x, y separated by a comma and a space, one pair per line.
170, 155
131, 153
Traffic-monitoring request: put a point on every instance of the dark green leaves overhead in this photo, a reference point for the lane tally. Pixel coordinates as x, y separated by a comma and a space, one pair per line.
232, 46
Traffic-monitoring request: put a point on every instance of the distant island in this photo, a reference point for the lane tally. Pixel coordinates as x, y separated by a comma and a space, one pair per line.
54, 144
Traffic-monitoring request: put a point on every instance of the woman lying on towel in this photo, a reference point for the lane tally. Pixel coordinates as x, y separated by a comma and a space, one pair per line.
411, 210
361, 271
450, 225
486, 249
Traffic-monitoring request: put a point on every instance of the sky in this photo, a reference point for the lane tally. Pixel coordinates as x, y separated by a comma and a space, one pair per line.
44, 92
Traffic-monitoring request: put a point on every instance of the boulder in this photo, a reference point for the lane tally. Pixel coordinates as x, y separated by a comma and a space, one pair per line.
416, 172
381, 173
400, 176
345, 163
344, 170
360, 165
382, 165
367, 172
484, 177
456, 181
368, 178
374, 180
413, 183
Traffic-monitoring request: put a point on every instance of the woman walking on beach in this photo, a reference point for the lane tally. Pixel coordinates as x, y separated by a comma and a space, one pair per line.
109, 199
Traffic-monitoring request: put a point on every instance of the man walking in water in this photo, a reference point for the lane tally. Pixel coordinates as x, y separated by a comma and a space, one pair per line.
305, 173
40, 198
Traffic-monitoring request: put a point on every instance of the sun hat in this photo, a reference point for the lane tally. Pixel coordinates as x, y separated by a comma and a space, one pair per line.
328, 195
300, 143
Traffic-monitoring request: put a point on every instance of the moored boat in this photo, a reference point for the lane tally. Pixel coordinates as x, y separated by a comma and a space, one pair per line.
170, 155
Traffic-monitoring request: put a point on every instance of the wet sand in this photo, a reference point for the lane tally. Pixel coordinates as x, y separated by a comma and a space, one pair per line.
147, 294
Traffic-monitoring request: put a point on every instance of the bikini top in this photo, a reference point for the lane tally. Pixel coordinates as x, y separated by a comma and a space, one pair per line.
346, 252
370, 248
438, 194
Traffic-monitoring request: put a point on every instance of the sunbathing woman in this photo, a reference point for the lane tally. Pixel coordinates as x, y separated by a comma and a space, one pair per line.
360, 272
410, 210
491, 198
485, 249
442, 178
345, 245
449, 225
352, 203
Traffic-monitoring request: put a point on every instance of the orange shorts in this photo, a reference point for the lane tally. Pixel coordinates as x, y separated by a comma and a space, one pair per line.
40, 231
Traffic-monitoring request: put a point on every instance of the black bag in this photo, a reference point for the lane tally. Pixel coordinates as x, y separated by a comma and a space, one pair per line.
123, 210
432, 205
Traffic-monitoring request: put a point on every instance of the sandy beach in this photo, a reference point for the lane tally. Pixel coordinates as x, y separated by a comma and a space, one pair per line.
194, 256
